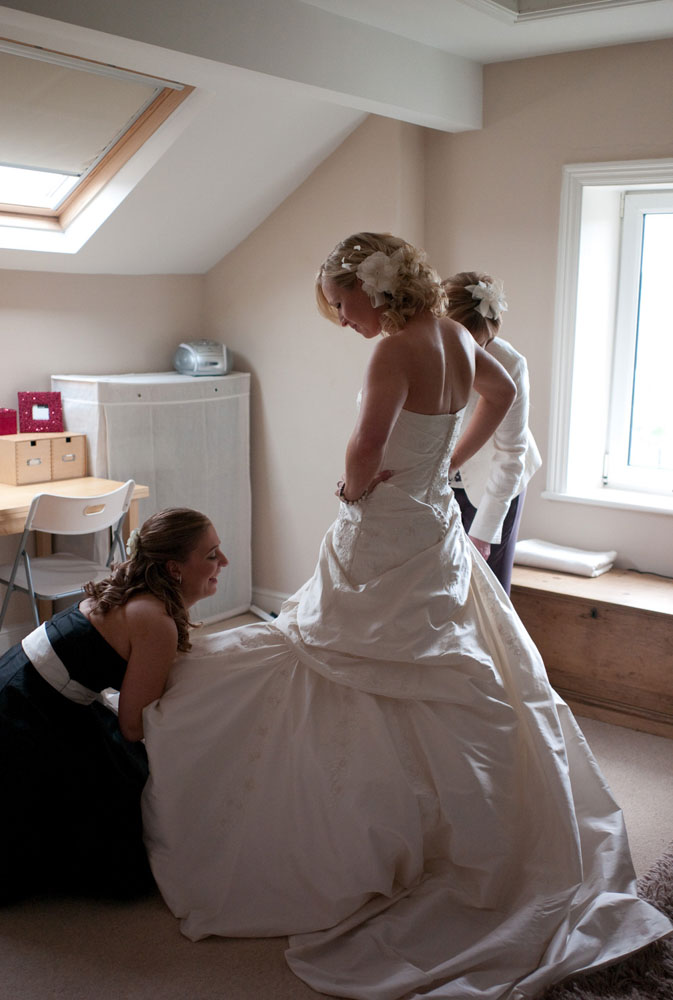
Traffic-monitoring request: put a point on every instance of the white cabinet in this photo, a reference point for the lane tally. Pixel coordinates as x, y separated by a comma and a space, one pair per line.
185, 438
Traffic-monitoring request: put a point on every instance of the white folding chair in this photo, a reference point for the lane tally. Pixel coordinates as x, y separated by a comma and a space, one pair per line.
48, 578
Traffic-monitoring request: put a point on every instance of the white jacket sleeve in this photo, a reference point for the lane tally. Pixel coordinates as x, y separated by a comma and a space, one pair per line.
506, 455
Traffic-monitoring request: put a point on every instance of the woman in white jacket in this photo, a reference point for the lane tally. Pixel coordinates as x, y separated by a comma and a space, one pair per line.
490, 487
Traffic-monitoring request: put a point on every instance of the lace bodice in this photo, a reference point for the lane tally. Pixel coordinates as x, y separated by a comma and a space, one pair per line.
419, 453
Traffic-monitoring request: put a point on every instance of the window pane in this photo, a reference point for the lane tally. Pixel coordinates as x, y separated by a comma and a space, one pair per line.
651, 441
37, 188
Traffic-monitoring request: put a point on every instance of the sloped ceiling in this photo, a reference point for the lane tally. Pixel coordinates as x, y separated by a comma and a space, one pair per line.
280, 84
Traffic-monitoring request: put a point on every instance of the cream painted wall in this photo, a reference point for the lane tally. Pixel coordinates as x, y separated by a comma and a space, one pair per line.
88, 324
91, 324
306, 372
493, 200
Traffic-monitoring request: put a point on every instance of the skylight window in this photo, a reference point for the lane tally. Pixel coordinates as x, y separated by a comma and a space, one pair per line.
67, 126
39, 188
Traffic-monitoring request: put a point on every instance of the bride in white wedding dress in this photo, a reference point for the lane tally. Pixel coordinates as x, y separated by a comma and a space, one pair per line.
384, 773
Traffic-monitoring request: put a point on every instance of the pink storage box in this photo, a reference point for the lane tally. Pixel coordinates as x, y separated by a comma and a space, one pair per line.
7, 421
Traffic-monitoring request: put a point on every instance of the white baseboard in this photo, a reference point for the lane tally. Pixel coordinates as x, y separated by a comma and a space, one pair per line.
222, 616
269, 600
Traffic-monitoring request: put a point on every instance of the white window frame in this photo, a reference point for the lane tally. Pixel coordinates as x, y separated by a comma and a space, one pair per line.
584, 338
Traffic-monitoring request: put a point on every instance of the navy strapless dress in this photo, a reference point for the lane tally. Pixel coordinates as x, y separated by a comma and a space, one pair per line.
70, 782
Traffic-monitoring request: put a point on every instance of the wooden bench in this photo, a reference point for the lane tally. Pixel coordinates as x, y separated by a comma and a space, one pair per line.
607, 642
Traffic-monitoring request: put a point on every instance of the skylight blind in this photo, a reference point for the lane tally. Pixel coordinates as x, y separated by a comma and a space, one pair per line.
62, 119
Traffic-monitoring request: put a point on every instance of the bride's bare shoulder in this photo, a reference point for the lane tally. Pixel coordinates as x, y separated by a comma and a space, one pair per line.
423, 338
454, 332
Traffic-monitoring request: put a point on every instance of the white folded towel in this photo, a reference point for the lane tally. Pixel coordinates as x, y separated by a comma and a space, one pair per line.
547, 555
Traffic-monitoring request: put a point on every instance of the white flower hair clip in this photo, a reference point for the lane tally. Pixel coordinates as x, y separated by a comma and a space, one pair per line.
379, 275
133, 543
346, 265
490, 298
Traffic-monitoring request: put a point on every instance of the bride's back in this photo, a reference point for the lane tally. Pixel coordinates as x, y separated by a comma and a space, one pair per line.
439, 360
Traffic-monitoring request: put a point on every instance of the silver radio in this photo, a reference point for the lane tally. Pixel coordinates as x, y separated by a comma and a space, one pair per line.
202, 357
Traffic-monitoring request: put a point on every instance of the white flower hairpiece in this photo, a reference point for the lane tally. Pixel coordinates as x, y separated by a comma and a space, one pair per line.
132, 543
490, 298
378, 273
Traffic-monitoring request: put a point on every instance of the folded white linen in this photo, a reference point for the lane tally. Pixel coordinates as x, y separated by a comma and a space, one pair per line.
547, 555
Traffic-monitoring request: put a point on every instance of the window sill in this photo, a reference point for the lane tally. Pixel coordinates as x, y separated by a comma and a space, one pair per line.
651, 503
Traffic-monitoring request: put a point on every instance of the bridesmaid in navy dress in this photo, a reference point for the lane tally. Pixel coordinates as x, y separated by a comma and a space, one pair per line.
72, 769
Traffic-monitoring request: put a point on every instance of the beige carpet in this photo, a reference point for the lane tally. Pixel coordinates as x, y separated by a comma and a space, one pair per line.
639, 770
83, 950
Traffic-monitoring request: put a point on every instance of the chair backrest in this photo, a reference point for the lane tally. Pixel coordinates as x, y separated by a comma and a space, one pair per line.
78, 515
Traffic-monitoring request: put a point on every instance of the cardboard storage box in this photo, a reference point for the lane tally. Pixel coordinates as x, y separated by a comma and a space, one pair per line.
39, 458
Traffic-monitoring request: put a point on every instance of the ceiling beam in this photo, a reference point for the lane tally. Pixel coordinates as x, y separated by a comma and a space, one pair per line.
337, 59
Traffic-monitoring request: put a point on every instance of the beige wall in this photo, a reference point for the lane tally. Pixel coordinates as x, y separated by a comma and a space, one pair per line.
493, 201
306, 371
91, 324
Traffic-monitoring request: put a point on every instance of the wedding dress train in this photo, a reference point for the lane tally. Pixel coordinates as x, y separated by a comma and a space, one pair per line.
384, 773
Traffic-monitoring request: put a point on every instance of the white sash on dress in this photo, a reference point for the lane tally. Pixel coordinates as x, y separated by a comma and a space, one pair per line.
49, 666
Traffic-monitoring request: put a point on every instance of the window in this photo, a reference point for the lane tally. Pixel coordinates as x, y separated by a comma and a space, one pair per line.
612, 421
67, 127
640, 436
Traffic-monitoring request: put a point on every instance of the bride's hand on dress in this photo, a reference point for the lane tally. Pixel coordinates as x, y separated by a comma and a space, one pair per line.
380, 477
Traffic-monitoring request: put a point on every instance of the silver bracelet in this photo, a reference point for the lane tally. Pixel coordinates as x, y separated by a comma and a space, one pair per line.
341, 487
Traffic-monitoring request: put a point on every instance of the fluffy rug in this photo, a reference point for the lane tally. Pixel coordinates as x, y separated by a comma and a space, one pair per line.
647, 975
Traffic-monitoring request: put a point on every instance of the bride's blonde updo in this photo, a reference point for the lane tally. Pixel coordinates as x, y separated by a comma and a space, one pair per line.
405, 283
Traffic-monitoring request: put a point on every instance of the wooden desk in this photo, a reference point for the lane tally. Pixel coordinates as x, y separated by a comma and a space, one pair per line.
15, 503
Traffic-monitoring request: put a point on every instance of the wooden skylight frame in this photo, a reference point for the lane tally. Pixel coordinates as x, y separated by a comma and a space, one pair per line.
169, 98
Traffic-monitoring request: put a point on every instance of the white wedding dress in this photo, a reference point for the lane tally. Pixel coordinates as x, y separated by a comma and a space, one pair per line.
385, 775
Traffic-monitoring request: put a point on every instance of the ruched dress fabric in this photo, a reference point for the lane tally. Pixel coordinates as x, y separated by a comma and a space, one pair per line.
384, 773
70, 782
